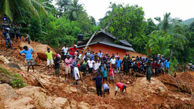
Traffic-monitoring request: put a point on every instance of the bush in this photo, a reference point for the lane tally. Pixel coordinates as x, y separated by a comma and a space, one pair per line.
15, 80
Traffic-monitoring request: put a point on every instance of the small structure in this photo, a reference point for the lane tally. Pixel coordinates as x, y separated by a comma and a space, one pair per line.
107, 43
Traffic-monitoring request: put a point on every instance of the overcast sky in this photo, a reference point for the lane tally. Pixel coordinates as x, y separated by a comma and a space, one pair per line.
182, 9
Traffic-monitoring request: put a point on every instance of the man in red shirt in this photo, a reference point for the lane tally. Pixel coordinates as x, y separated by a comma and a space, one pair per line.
73, 50
120, 86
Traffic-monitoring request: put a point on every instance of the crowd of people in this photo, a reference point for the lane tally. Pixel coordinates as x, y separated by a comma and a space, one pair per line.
101, 67
12, 33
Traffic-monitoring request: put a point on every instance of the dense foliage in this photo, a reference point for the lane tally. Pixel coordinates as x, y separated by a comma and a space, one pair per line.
169, 37
61, 25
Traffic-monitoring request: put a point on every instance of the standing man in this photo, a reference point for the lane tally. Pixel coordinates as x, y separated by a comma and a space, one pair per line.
100, 54
64, 51
76, 74
167, 65
149, 71
49, 58
28, 53
7, 37
118, 64
113, 62
68, 61
73, 50
90, 65
125, 65
98, 80
57, 61
27, 38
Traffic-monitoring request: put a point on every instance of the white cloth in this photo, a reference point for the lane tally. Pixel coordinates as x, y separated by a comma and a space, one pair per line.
116, 88
76, 73
105, 86
97, 65
49, 62
65, 50
113, 61
90, 63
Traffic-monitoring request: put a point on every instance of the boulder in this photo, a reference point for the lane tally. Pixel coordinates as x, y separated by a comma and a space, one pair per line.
38, 48
6, 92
4, 59
41, 49
59, 103
30, 91
73, 104
83, 105
22, 44
19, 103
14, 65
145, 89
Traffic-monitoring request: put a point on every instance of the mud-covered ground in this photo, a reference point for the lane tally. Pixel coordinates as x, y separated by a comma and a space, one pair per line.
164, 91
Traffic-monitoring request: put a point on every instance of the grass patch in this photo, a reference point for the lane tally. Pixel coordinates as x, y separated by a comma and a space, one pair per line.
11, 78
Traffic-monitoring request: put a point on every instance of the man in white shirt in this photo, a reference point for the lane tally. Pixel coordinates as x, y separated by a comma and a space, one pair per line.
113, 62
65, 50
76, 74
96, 66
105, 89
90, 65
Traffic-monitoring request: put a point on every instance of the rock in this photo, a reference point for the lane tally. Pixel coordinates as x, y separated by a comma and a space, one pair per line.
21, 103
145, 89
14, 65
6, 92
73, 104
73, 89
30, 91
92, 89
59, 103
41, 49
42, 101
22, 44
83, 105
4, 59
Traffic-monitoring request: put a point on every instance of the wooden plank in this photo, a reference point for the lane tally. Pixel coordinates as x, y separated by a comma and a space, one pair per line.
86, 47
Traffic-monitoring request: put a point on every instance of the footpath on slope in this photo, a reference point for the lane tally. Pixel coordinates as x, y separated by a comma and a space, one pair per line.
58, 94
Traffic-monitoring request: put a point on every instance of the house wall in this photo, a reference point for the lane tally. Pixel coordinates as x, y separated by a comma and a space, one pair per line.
107, 49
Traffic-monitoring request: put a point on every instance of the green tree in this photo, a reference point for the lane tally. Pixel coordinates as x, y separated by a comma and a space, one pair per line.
14, 9
126, 23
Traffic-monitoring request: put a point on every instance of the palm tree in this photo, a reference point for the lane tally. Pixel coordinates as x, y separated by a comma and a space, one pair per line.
13, 9
75, 10
63, 5
165, 23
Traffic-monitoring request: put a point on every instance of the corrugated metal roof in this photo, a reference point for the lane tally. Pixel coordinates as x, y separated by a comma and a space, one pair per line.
125, 42
113, 37
112, 45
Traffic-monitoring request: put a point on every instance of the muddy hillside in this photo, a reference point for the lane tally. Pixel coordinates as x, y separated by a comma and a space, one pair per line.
41, 89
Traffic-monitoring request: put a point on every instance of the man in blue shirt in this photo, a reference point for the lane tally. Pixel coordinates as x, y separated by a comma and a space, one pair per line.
28, 54
100, 54
118, 64
167, 65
